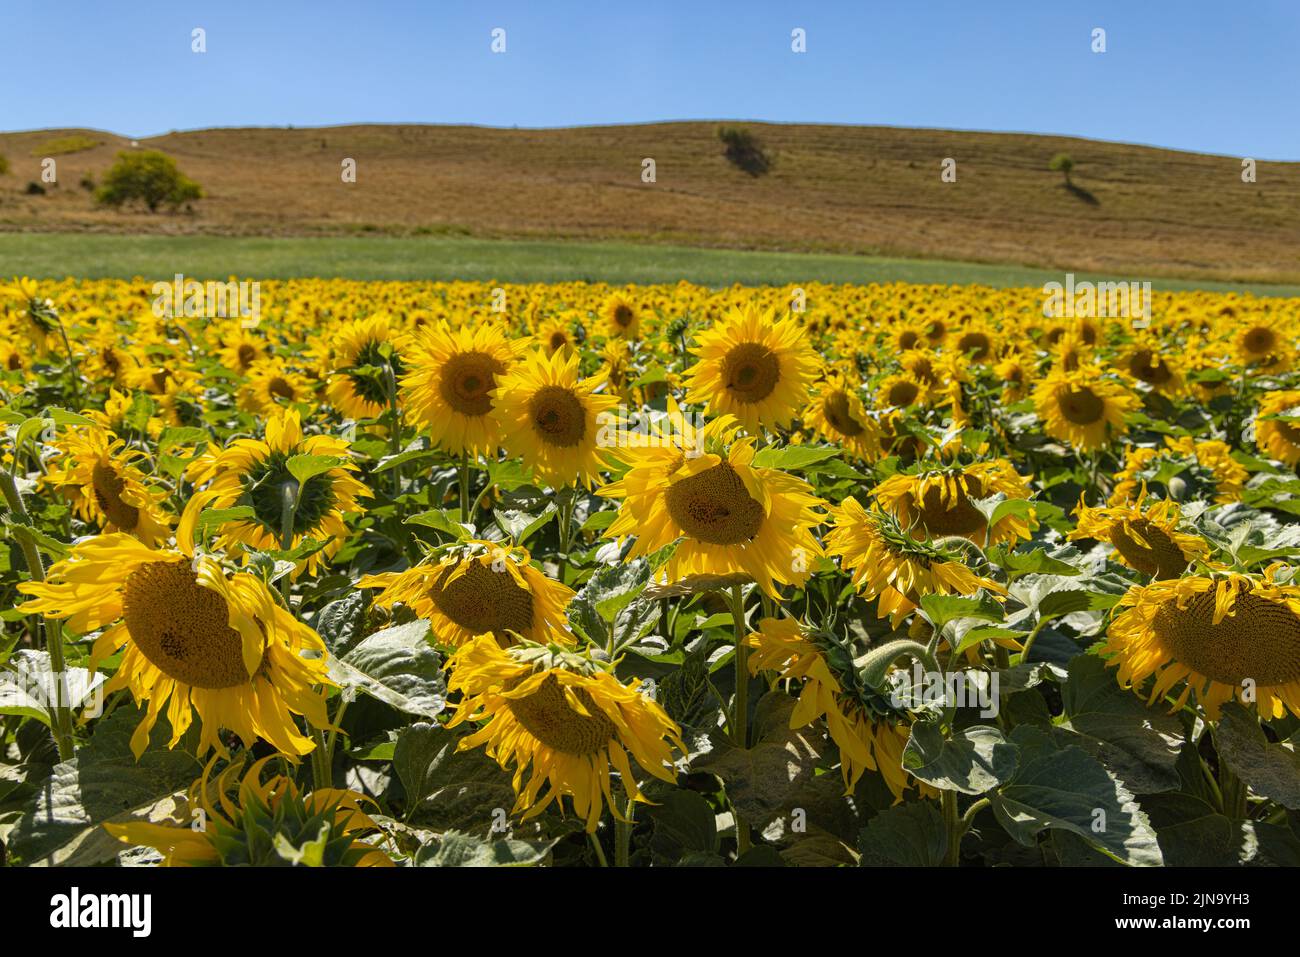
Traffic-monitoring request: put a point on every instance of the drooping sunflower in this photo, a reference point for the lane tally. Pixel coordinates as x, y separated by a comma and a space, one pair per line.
259, 474
936, 502
887, 563
1187, 468
269, 823
366, 353
448, 388
836, 414
1082, 407
1147, 539
865, 742
271, 384
562, 719
478, 587
1225, 635
197, 640
1276, 432
549, 416
621, 318
702, 491
99, 475
754, 367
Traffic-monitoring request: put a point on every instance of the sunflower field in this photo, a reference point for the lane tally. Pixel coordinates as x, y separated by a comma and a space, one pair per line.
447, 574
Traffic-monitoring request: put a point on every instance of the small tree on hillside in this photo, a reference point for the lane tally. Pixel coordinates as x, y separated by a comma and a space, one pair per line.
744, 150
148, 176
1063, 164
4, 165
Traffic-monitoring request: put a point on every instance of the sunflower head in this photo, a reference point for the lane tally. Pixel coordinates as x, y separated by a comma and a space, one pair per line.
1082, 407
1277, 426
836, 414
939, 502
621, 318
367, 365
1146, 537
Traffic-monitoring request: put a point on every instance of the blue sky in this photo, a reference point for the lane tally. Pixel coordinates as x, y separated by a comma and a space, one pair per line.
1216, 77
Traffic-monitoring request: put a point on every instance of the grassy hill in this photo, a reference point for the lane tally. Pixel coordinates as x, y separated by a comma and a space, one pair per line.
1134, 212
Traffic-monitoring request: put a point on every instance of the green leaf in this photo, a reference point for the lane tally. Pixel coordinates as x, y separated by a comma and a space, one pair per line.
398, 667
1271, 770
973, 761
28, 687
939, 610
684, 822
439, 519
306, 467
521, 526
907, 835
415, 759
214, 517
455, 849
795, 458
1062, 786
1140, 745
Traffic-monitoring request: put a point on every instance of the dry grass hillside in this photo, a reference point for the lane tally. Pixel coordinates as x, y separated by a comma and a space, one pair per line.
867, 190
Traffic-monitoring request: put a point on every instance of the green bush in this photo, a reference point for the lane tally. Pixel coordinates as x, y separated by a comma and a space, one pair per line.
4, 165
743, 150
149, 177
1063, 164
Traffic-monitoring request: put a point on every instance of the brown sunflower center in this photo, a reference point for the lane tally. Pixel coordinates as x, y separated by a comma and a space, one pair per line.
246, 355
483, 600
1260, 341
548, 717
1149, 367
107, 487
1156, 554
1081, 406
923, 369
715, 507
954, 516
976, 343
467, 380
1259, 641
903, 393
281, 387
908, 339
558, 416
751, 371
181, 627
558, 340
836, 409
623, 315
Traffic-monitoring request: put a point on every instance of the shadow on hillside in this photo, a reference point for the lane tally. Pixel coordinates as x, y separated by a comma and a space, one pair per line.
1080, 193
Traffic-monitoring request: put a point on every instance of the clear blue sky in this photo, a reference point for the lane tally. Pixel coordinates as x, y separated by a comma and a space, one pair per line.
1218, 77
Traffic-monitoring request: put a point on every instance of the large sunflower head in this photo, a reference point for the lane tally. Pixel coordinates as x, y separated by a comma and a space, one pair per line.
564, 720
1146, 537
478, 587
548, 415
621, 318
448, 389
887, 563
299, 489
1082, 407
837, 415
754, 367
251, 822
194, 639
939, 502
367, 365
1222, 635
725, 514
1277, 426
100, 476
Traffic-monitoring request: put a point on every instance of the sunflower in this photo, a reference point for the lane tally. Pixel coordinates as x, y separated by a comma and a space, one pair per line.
620, 317
1226, 635
1144, 362
448, 388
554, 335
259, 474
268, 824
271, 384
975, 341
548, 416
1145, 539
1187, 468
98, 473
1276, 431
901, 391
1264, 344
1014, 372
865, 743
754, 367
938, 502
888, 564
366, 353
562, 719
478, 587
241, 351
702, 491
1082, 407
836, 414
196, 639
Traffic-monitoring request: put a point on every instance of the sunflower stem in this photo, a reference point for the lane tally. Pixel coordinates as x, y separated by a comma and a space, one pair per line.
288, 513
623, 833
740, 714
321, 770
464, 485
395, 433
600, 851
953, 824
60, 713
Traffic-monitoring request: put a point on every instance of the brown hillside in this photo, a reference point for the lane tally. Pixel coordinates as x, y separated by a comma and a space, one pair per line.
871, 190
